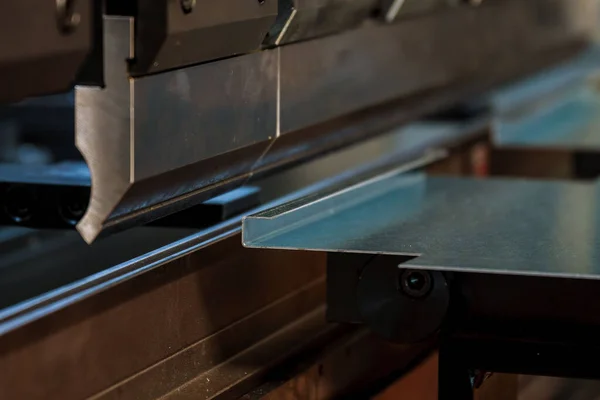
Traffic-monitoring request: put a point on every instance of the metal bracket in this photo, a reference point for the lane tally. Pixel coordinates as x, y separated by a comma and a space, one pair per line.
506, 272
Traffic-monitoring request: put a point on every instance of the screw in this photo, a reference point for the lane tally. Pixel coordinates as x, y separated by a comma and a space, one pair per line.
188, 6
72, 212
72, 205
68, 19
416, 284
19, 203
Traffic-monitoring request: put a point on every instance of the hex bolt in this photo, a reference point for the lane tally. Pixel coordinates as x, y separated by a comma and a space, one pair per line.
68, 20
416, 284
19, 203
188, 6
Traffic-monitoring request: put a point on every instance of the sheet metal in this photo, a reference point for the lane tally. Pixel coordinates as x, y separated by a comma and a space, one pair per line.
456, 224
559, 109
573, 123
364, 68
159, 144
48, 279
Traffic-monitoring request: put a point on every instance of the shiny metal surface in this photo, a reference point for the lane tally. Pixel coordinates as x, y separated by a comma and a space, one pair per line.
102, 134
207, 110
304, 19
367, 67
548, 85
65, 173
396, 9
159, 144
456, 224
556, 110
85, 271
120, 129
572, 123
168, 36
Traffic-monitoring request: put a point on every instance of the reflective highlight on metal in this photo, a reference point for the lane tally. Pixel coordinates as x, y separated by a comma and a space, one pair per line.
367, 67
396, 9
304, 19
571, 123
556, 110
386, 153
174, 34
158, 144
205, 110
102, 129
456, 224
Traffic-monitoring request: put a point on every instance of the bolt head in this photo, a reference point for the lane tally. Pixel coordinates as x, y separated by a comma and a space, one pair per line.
187, 6
415, 283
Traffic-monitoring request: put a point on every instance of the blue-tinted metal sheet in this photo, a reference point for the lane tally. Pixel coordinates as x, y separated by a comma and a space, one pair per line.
556, 109
461, 224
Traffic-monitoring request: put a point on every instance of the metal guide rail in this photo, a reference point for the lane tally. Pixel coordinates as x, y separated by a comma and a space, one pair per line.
158, 143
555, 110
506, 271
25, 281
218, 338
166, 119
549, 122
490, 226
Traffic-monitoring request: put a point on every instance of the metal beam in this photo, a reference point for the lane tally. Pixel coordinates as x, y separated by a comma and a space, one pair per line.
161, 143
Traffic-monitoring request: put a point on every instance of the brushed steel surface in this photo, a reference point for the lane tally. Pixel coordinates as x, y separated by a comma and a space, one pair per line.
556, 110
458, 224
167, 37
204, 110
304, 19
396, 9
367, 67
219, 362
571, 123
65, 278
159, 144
102, 134
548, 85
